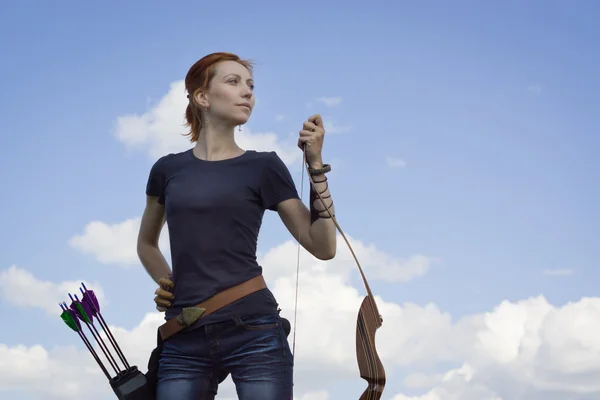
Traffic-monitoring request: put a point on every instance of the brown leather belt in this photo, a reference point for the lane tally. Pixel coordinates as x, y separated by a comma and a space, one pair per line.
211, 305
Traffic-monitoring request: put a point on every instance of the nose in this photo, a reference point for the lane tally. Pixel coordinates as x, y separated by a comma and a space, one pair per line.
246, 92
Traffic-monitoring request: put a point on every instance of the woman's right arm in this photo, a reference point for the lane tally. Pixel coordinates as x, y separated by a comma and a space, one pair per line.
148, 251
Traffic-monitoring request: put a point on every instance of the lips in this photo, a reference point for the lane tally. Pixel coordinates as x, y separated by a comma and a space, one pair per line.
245, 105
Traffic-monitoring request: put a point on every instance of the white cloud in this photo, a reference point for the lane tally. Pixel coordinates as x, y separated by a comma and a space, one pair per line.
329, 101
559, 272
279, 117
375, 263
456, 384
61, 373
288, 151
528, 349
331, 126
116, 243
536, 88
160, 130
20, 288
327, 301
70, 372
395, 162
317, 395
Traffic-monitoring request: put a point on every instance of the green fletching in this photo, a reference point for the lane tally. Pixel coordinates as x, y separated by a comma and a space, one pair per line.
68, 318
83, 313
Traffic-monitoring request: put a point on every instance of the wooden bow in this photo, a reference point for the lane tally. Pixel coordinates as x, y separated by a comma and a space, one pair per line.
368, 321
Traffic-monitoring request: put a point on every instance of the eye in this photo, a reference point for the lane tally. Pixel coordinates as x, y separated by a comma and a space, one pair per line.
232, 80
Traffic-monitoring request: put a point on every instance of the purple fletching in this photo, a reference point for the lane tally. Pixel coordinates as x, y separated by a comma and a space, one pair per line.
89, 297
86, 308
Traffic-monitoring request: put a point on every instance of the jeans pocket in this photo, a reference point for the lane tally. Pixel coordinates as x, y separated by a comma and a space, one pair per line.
259, 322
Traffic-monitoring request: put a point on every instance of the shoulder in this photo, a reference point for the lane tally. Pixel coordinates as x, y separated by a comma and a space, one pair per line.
167, 162
274, 170
260, 161
270, 159
174, 157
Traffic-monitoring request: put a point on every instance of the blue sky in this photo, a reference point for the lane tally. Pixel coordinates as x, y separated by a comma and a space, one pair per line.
494, 109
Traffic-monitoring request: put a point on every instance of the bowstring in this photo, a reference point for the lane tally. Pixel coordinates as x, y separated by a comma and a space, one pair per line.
298, 256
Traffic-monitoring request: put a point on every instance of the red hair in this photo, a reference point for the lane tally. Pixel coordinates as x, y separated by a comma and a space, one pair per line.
198, 78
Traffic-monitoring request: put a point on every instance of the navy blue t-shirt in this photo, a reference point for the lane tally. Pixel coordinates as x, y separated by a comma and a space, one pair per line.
214, 212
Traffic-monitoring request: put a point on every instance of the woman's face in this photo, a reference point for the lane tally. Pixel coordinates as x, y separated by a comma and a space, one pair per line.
230, 97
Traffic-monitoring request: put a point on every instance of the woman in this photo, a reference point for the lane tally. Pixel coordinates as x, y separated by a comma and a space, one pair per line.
213, 198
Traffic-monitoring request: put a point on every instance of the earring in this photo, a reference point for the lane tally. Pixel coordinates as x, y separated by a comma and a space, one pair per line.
239, 128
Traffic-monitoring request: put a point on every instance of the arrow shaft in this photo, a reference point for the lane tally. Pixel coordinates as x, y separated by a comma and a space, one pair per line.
90, 298
101, 343
111, 338
105, 346
94, 354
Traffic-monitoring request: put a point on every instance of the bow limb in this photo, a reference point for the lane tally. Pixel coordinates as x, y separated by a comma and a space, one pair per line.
368, 321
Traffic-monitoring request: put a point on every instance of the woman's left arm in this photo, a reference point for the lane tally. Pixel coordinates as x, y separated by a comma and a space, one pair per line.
314, 228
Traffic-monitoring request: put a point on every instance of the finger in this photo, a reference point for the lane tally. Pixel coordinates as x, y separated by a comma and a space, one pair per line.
317, 120
162, 302
164, 294
305, 141
309, 126
305, 133
163, 306
166, 283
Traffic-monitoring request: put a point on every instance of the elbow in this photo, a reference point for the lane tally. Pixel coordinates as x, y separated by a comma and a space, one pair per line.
141, 252
142, 249
326, 255
326, 251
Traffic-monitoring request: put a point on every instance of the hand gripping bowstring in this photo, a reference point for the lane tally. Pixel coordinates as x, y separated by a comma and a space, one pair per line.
368, 320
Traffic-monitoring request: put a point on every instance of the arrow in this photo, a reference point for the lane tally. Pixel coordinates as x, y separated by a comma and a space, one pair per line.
70, 318
89, 298
84, 313
129, 383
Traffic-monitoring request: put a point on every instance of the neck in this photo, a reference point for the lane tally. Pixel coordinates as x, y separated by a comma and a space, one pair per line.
217, 143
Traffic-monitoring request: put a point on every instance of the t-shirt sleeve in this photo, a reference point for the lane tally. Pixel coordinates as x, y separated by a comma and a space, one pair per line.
276, 183
156, 181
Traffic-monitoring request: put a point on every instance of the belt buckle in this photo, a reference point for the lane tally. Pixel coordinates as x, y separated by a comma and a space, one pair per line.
190, 315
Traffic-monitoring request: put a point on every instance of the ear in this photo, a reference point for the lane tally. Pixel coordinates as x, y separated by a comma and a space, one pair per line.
201, 99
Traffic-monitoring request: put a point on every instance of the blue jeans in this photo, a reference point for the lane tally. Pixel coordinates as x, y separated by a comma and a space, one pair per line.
253, 349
